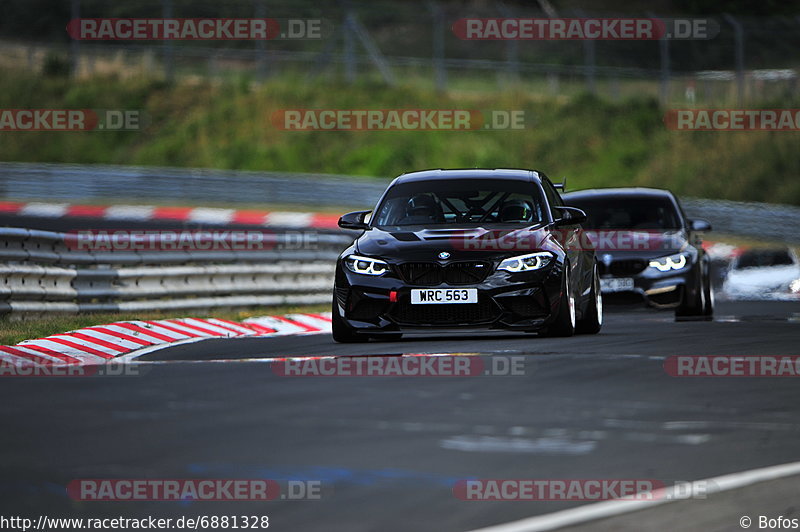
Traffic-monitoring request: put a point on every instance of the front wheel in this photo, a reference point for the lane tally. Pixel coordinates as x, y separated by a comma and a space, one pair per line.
564, 322
692, 306
708, 309
592, 320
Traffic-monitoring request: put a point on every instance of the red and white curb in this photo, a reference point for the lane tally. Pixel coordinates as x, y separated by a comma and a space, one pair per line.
205, 215
127, 340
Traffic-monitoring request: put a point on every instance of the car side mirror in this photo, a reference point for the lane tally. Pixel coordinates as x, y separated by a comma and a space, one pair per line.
570, 216
354, 220
700, 225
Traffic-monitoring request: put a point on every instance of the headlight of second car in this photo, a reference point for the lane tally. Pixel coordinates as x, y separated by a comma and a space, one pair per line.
672, 262
365, 265
526, 263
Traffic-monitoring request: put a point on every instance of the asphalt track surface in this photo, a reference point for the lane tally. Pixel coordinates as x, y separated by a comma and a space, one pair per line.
387, 450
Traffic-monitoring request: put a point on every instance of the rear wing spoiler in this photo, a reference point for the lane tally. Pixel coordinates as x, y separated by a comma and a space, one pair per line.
561, 186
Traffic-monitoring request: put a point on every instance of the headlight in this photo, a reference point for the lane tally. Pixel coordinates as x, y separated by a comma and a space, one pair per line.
365, 265
526, 263
673, 262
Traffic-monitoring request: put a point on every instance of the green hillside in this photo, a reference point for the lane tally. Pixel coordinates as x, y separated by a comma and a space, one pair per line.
593, 142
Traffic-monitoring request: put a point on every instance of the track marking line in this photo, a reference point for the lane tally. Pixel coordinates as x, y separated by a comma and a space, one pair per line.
602, 510
133, 355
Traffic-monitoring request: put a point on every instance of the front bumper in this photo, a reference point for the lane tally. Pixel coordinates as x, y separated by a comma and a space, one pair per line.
512, 301
656, 289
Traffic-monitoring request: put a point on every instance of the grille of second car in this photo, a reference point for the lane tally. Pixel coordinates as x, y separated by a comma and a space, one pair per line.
624, 267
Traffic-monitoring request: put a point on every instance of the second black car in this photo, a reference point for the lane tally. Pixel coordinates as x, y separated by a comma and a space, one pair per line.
648, 249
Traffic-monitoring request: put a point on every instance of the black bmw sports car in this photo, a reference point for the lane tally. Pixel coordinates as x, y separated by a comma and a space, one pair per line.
466, 249
647, 248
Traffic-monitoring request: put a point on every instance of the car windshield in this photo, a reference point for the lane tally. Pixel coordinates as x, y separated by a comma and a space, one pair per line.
467, 201
630, 213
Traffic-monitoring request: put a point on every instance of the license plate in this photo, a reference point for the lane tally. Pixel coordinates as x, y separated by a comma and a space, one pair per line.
436, 296
616, 284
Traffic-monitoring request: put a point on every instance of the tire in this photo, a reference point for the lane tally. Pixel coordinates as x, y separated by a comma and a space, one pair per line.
564, 323
708, 307
692, 308
592, 321
341, 331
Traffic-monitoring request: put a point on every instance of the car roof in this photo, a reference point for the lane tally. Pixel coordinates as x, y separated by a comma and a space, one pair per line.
517, 174
626, 192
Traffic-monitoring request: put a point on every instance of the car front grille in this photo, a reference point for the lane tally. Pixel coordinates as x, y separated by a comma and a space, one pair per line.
622, 268
466, 272
422, 273
455, 273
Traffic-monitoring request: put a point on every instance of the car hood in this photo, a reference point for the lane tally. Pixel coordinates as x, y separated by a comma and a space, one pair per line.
462, 243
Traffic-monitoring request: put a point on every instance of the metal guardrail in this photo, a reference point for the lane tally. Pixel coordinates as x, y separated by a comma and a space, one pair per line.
760, 221
75, 183
88, 182
46, 247
42, 274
